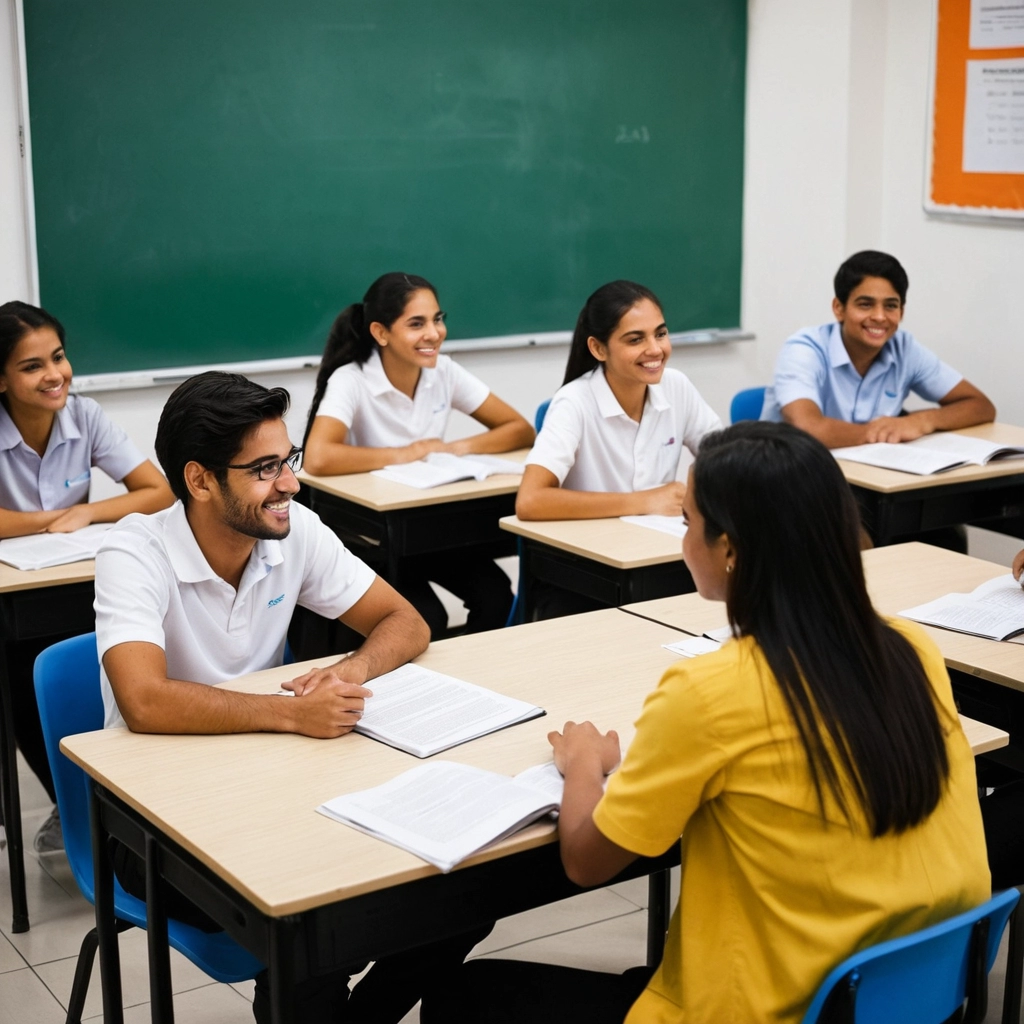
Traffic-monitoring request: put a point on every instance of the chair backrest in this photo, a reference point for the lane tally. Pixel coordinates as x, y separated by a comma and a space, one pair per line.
924, 977
542, 411
67, 679
746, 405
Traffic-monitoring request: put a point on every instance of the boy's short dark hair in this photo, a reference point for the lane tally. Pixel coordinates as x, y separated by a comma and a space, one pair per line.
207, 420
870, 263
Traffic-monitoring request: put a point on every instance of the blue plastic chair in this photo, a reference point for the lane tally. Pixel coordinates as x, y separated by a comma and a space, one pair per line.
746, 405
515, 614
542, 411
924, 977
67, 680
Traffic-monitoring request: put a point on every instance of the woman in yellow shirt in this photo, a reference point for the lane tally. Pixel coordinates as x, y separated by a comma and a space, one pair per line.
814, 767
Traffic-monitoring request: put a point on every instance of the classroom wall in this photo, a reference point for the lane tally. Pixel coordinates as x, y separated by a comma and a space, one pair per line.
836, 112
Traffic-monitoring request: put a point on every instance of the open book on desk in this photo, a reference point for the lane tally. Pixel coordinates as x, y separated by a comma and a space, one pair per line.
934, 453
445, 812
994, 610
424, 712
443, 468
42, 550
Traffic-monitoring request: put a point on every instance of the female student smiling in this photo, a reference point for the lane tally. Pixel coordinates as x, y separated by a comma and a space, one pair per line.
614, 432
384, 394
814, 767
49, 442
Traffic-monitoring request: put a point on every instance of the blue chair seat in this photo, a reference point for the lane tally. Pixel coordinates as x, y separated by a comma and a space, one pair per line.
746, 405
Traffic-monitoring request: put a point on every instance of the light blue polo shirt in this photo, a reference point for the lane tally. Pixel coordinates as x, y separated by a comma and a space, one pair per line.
82, 437
814, 364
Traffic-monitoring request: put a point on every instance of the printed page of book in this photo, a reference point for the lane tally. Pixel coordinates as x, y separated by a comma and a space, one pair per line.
906, 458
424, 712
42, 550
442, 812
994, 610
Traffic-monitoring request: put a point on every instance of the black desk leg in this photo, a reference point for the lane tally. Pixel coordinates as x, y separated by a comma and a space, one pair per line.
282, 972
659, 895
106, 926
160, 997
11, 799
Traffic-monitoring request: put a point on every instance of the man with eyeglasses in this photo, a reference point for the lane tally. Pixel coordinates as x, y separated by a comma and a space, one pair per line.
204, 591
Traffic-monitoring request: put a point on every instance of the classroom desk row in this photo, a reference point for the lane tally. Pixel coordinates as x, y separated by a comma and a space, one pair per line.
613, 562
307, 893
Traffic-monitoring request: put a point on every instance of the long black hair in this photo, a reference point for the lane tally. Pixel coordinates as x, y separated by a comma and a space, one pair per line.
350, 340
855, 687
599, 318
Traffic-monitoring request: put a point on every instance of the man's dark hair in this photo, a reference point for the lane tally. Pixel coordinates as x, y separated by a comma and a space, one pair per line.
207, 420
870, 263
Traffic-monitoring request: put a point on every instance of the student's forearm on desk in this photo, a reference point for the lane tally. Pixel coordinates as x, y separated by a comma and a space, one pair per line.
21, 524
333, 458
832, 433
538, 501
506, 438
152, 703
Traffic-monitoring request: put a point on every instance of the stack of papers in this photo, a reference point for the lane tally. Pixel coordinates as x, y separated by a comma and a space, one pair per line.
445, 812
424, 712
935, 453
672, 525
693, 646
442, 468
994, 610
42, 550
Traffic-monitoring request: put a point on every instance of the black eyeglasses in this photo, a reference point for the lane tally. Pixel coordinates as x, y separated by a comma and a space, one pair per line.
270, 469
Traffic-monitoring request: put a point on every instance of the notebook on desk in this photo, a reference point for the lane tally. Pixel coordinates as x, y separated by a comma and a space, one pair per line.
935, 453
443, 468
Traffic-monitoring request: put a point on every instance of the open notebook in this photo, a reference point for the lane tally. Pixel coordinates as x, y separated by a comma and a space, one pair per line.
445, 812
935, 453
994, 610
42, 550
442, 468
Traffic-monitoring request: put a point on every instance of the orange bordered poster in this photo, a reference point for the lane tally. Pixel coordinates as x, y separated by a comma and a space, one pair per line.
976, 142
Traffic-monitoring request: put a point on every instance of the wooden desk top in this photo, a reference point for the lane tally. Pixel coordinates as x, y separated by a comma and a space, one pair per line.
13, 580
386, 496
609, 541
890, 481
901, 576
598, 666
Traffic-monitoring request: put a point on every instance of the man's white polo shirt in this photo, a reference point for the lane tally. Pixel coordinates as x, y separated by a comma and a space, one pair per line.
154, 585
590, 444
378, 415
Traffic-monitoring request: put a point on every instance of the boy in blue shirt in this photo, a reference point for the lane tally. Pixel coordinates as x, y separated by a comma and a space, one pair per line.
845, 382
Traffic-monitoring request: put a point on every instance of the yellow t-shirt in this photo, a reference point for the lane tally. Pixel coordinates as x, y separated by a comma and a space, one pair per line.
773, 896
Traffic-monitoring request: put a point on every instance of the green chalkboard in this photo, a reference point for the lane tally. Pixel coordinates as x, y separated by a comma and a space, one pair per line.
215, 179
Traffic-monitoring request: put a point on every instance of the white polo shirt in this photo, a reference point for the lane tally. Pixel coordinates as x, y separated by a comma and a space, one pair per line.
82, 437
590, 444
378, 415
153, 584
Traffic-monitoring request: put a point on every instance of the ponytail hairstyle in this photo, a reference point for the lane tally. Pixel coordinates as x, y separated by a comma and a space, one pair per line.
599, 318
855, 687
350, 340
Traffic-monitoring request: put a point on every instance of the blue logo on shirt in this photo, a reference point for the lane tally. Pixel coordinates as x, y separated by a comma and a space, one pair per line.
275, 600
890, 394
80, 479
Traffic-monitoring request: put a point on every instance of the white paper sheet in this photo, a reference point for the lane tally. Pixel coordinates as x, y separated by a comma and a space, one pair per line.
444, 468
672, 525
996, 24
994, 610
424, 712
994, 117
42, 550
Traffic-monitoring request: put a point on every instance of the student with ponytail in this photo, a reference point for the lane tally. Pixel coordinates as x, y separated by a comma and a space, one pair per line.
814, 767
383, 396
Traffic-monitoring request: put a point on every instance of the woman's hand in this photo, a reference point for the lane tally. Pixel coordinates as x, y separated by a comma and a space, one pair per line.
585, 747
73, 519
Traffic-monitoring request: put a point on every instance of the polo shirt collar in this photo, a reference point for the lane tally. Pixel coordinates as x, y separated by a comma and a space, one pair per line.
187, 559
377, 380
64, 429
608, 404
838, 356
